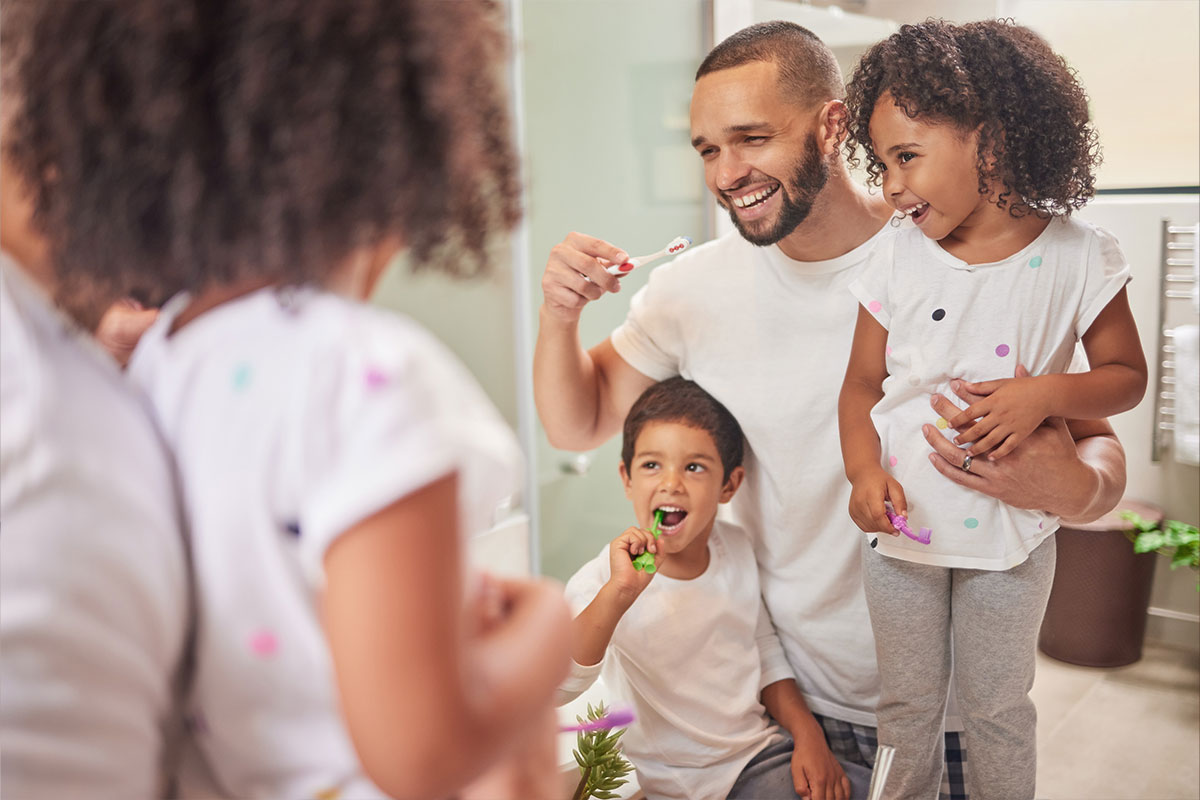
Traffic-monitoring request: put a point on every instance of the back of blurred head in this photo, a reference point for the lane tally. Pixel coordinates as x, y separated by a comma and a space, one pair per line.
182, 144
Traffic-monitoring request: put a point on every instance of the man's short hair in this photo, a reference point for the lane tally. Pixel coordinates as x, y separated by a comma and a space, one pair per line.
808, 72
682, 401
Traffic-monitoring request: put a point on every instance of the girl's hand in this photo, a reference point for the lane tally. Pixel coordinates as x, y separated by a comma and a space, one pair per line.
1010, 409
628, 581
870, 489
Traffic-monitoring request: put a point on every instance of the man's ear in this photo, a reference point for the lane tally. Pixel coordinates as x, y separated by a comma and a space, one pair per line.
625, 480
831, 126
732, 483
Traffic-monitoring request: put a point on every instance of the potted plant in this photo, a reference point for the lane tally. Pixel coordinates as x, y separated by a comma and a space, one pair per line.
602, 768
1178, 540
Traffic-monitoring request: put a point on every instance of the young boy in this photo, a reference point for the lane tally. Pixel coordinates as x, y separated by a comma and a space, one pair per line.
684, 644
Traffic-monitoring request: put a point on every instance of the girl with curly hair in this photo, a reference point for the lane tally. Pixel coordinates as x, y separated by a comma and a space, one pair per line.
979, 134
263, 161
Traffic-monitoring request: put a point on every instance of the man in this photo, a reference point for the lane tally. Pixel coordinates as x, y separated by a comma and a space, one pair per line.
763, 320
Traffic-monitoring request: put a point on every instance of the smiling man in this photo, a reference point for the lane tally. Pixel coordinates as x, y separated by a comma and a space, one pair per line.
763, 319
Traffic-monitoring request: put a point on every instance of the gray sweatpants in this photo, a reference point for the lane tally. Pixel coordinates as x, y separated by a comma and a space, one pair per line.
981, 624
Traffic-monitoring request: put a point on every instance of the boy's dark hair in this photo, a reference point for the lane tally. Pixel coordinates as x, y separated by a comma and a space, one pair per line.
174, 144
683, 401
1035, 138
808, 71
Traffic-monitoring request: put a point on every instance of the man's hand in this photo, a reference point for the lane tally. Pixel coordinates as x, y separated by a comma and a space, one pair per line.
1045, 472
575, 275
816, 774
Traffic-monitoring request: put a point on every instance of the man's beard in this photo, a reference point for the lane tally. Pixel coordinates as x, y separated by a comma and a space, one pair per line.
796, 200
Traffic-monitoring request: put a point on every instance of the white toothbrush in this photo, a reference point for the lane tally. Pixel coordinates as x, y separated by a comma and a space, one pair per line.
676, 246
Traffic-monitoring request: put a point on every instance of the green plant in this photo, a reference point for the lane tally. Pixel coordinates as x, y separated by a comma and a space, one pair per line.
1176, 539
602, 767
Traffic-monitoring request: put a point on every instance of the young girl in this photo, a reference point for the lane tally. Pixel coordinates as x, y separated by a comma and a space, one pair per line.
266, 161
979, 133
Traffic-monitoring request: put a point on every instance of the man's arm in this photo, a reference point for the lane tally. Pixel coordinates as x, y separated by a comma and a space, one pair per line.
1074, 469
582, 396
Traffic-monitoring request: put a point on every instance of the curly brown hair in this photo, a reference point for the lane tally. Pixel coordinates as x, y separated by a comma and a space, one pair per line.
1035, 140
178, 144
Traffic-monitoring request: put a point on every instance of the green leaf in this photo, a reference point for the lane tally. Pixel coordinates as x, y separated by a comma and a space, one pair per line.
1149, 541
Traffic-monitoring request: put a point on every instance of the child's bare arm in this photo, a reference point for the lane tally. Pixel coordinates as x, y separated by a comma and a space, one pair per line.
861, 390
1013, 407
815, 772
593, 627
427, 706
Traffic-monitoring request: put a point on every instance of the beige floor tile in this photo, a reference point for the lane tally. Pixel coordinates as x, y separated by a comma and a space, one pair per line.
1125, 734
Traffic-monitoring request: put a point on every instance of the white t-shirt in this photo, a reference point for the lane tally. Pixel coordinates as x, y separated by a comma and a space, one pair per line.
293, 415
769, 337
688, 657
93, 582
947, 319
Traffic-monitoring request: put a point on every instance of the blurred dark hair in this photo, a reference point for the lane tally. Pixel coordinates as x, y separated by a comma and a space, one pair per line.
1035, 139
683, 401
174, 144
808, 72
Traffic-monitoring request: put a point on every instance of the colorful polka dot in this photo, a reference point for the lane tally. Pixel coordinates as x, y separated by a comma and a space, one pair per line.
971, 522
874, 306
1002, 350
888, 349
293, 528
942, 424
375, 378
332, 793
264, 644
1035, 262
893, 461
939, 315
241, 376
874, 543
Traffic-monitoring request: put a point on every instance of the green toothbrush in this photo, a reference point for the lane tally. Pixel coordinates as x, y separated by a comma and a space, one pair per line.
646, 560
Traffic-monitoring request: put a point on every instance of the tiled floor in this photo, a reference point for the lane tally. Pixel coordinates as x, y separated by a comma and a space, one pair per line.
1130, 733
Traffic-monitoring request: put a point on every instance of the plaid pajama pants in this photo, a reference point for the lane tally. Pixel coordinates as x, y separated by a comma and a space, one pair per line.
857, 743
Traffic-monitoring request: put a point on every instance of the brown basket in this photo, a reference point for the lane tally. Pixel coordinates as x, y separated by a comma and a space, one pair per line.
1096, 616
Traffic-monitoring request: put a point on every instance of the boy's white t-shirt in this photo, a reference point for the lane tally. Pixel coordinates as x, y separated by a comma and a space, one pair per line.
769, 337
93, 581
947, 319
689, 657
293, 415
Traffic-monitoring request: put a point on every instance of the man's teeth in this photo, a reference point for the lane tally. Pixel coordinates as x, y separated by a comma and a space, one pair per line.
747, 200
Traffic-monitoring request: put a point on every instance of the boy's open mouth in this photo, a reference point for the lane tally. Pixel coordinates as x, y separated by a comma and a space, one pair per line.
672, 519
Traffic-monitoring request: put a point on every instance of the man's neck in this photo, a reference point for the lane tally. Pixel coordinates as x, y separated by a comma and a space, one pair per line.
843, 217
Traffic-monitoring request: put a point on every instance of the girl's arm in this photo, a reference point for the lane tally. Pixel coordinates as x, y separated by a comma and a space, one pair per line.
1013, 407
427, 707
861, 390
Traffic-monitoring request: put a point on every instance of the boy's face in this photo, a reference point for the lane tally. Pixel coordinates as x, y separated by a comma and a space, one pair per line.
677, 468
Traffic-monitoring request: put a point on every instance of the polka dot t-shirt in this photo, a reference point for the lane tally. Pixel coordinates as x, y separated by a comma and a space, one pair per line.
946, 319
293, 415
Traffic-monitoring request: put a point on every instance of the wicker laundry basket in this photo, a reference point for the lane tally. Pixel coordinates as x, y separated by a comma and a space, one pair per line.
1096, 616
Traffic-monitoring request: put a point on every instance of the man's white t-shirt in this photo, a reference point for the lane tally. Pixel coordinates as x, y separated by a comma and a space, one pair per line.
93, 581
948, 319
688, 656
769, 337
293, 415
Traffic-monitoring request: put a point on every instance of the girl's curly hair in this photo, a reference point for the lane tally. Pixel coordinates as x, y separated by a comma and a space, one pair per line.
1035, 139
175, 144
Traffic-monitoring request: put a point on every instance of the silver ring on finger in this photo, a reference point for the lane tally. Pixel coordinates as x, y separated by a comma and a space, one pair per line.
966, 465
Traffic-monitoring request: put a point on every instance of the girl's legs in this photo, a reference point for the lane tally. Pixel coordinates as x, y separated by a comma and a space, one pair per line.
910, 615
996, 620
